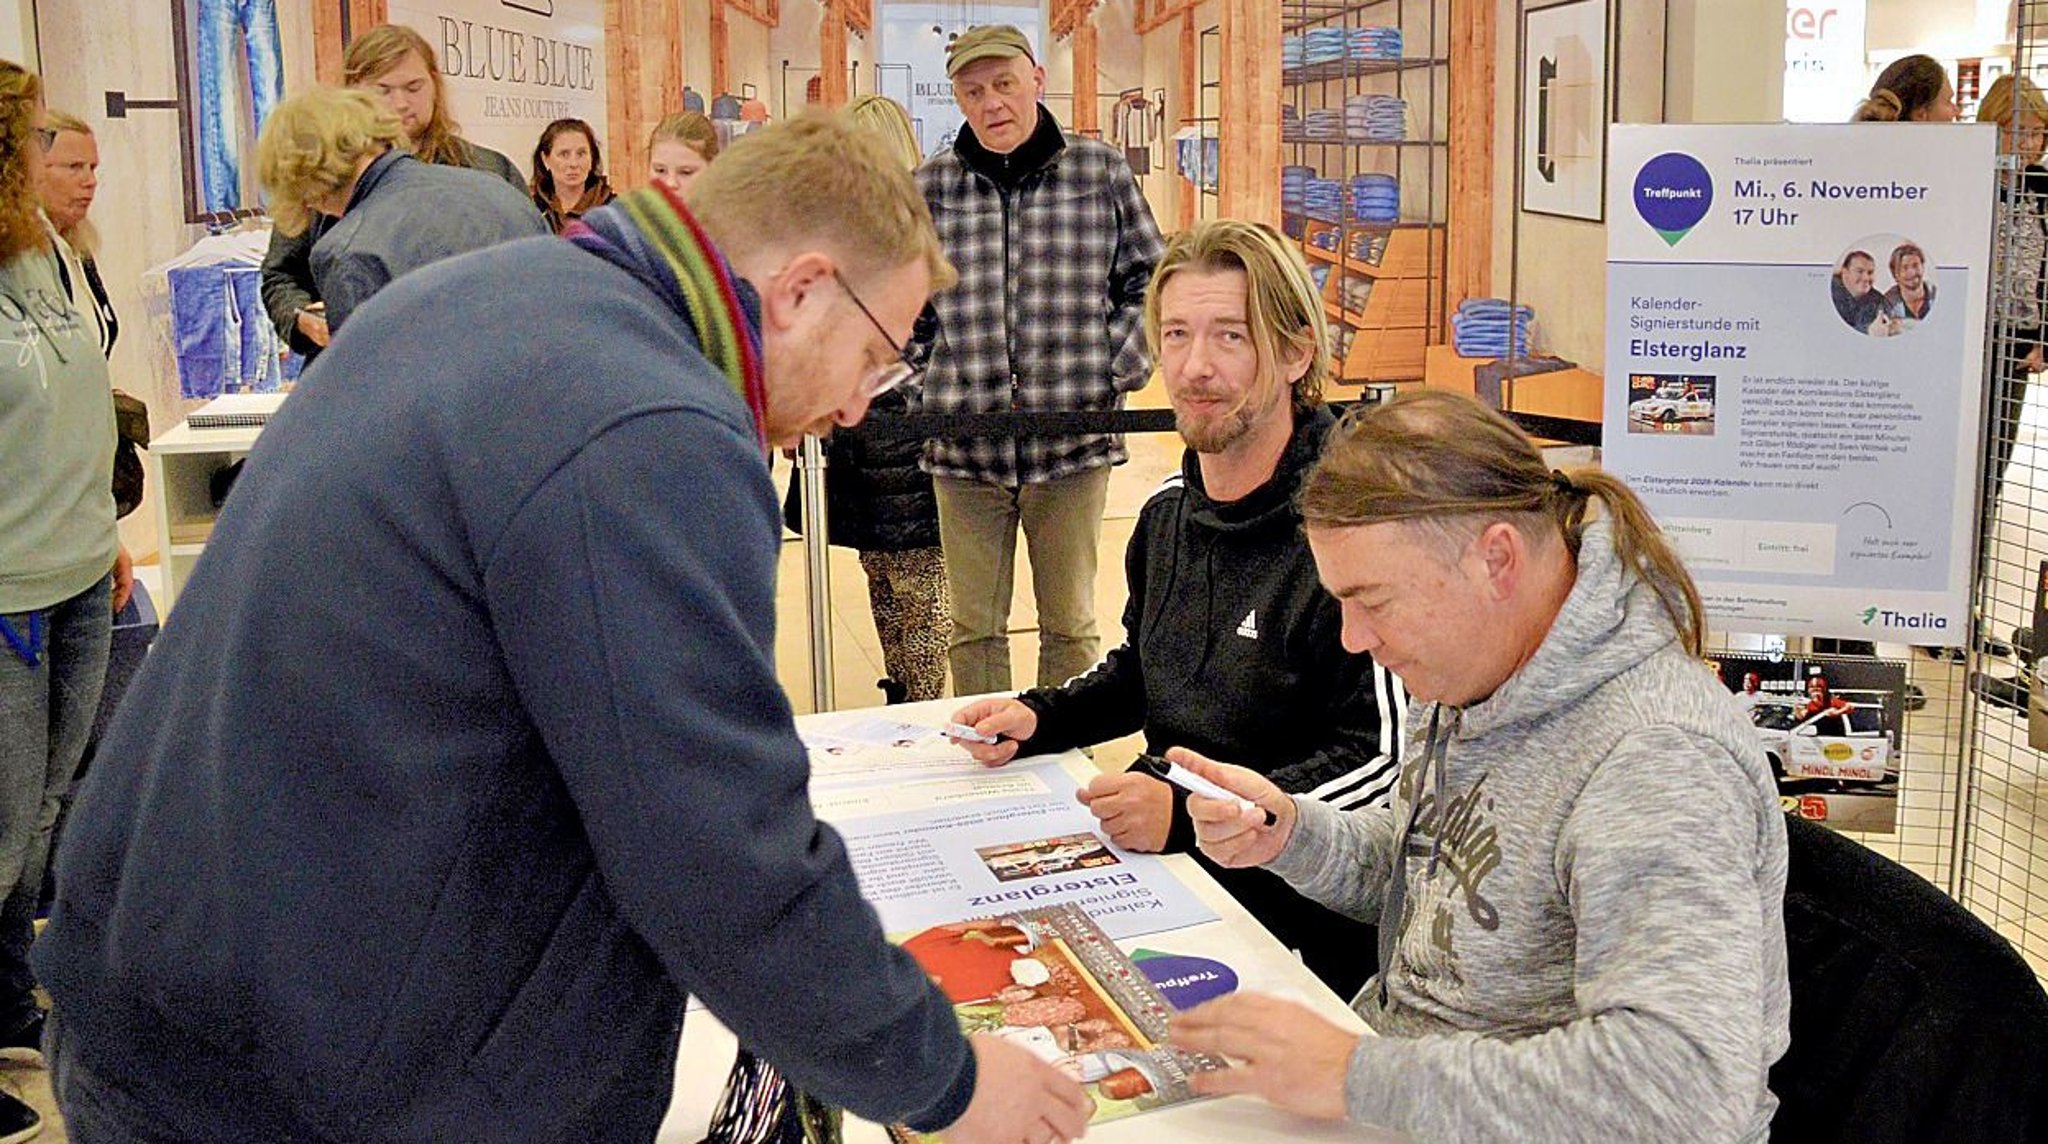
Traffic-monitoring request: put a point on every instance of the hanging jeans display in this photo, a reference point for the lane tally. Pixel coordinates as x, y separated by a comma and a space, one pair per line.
223, 25
222, 336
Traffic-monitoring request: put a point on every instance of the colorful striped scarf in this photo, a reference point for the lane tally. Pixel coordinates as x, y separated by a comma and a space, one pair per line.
650, 235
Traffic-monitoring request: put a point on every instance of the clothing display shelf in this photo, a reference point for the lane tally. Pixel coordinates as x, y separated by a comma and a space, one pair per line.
1364, 90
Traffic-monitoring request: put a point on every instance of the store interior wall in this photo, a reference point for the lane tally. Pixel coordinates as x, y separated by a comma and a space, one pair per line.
1724, 64
90, 47
1685, 61
1945, 29
18, 32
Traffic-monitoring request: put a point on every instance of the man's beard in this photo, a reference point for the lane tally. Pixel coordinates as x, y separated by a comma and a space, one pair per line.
1215, 434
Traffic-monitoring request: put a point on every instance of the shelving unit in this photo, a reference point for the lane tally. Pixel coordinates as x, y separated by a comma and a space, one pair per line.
1384, 285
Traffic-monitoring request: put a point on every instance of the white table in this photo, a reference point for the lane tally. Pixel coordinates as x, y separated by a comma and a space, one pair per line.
1263, 965
180, 464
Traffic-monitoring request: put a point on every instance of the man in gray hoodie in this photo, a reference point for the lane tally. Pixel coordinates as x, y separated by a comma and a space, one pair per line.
1580, 885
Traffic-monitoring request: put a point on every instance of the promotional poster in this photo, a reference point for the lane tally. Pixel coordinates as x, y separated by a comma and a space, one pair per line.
1795, 364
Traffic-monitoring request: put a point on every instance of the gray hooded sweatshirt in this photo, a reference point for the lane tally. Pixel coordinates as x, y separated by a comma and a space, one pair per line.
1593, 945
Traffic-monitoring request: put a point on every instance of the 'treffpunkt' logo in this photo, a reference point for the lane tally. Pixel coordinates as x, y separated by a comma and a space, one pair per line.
1673, 192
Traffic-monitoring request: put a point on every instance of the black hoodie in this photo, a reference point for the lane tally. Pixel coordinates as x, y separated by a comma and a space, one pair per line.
1232, 648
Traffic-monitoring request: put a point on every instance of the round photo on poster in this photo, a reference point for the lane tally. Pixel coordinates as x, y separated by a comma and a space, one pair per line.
1883, 286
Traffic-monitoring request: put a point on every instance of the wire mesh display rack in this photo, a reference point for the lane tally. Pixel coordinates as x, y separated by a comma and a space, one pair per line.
2002, 869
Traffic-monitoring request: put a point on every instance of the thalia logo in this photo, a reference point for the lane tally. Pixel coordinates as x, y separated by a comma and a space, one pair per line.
1911, 621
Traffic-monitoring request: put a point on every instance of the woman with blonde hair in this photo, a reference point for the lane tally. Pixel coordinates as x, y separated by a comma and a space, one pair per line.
568, 173
70, 180
2019, 260
337, 153
680, 147
63, 573
880, 502
397, 65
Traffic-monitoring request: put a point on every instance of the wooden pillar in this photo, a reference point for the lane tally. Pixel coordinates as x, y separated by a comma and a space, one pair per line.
832, 72
1087, 71
643, 47
721, 52
335, 23
1250, 130
1468, 265
1184, 91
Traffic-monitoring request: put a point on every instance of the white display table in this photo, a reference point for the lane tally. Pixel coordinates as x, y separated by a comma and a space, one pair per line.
1263, 965
180, 463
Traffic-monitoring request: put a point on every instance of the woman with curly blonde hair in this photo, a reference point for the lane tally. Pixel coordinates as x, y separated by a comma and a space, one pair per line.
336, 153
395, 64
62, 571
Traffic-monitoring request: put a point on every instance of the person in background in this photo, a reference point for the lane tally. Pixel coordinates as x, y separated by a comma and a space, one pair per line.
1055, 245
679, 149
338, 153
1751, 694
1829, 707
1557, 961
433, 850
397, 65
70, 179
63, 573
1231, 647
879, 501
1911, 297
1913, 89
2019, 255
568, 173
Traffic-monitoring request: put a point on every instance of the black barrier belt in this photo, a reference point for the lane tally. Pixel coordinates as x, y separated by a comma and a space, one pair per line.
922, 426
1569, 430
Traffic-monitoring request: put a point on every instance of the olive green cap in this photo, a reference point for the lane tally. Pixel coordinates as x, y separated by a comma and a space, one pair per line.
986, 42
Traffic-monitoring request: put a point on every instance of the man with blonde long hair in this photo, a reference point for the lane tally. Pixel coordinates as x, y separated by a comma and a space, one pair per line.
1580, 884
419, 823
1230, 647
395, 64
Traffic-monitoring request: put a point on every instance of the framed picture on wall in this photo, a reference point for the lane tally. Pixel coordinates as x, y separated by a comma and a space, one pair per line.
1564, 109
230, 68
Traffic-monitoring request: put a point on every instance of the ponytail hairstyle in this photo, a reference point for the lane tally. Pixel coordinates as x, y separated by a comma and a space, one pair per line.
1451, 467
1902, 90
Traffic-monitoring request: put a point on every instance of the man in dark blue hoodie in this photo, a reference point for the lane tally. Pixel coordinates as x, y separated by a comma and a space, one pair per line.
464, 757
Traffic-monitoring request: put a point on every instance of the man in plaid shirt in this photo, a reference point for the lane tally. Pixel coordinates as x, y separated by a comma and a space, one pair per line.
1054, 245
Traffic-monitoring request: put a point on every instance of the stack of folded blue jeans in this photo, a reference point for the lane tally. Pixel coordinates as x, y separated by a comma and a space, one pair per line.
1375, 43
1375, 198
1376, 118
1294, 187
1488, 328
1323, 199
1324, 124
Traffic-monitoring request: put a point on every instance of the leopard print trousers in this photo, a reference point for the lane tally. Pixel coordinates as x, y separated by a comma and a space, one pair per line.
913, 610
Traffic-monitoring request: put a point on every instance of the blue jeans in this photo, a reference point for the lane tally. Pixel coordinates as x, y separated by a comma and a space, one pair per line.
222, 25
46, 714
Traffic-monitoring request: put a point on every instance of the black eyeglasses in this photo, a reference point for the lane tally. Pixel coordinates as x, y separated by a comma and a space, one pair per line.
47, 136
888, 375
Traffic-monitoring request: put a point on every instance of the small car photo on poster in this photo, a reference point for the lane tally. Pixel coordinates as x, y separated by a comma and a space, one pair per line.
1830, 728
1014, 861
1681, 403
